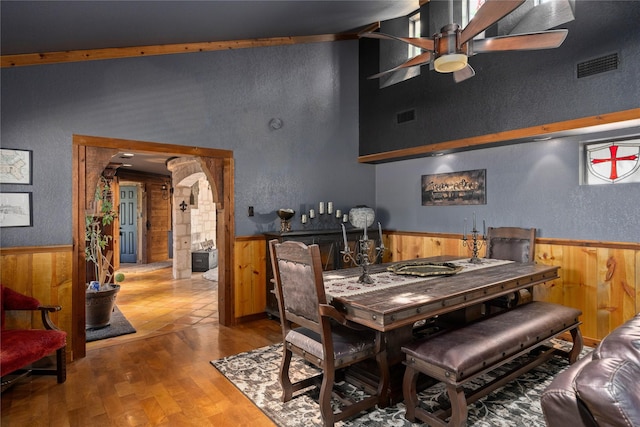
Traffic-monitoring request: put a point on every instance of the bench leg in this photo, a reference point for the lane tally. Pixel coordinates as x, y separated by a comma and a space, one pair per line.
458, 406
410, 393
578, 343
414, 411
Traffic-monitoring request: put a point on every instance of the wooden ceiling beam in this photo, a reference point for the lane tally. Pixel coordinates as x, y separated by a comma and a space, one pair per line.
602, 122
21, 60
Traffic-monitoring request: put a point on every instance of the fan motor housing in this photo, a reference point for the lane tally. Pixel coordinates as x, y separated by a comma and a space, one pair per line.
450, 56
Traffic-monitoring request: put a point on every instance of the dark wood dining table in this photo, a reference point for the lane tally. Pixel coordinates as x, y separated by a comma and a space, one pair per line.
393, 311
392, 308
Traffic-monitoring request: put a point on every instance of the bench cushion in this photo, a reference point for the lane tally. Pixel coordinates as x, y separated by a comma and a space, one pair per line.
461, 353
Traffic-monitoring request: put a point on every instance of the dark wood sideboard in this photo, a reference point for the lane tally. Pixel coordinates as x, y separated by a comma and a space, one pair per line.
331, 242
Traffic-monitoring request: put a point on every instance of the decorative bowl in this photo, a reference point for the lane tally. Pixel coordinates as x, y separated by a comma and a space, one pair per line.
285, 214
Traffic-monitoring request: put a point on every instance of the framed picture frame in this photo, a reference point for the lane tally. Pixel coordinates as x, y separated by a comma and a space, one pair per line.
456, 188
15, 166
16, 209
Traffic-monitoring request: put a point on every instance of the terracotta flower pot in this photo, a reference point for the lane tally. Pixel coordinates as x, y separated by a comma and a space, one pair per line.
99, 306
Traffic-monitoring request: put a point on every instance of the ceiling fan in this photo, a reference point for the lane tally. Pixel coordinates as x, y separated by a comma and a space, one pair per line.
448, 51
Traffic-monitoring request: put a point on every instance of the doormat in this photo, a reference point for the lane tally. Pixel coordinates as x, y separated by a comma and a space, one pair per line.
255, 374
119, 326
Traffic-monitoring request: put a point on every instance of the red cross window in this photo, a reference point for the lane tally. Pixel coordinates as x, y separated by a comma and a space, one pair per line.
612, 162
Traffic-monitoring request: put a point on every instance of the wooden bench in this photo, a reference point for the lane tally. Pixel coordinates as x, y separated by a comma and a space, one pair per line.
457, 356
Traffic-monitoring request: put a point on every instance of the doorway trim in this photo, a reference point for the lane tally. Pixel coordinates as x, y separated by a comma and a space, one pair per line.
90, 156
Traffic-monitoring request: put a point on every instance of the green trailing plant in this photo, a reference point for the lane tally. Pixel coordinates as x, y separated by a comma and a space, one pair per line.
96, 240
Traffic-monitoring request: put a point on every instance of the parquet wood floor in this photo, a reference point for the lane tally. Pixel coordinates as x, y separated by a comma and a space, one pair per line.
159, 376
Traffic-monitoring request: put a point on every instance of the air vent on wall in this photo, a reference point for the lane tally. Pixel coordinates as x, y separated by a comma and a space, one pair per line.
598, 65
406, 116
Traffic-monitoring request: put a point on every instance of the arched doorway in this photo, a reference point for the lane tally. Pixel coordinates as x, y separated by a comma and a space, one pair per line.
90, 157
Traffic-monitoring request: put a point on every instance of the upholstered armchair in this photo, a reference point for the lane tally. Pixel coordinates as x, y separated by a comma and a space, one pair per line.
22, 347
317, 332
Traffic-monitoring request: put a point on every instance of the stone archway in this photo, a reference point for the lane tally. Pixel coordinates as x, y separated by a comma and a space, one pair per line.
185, 171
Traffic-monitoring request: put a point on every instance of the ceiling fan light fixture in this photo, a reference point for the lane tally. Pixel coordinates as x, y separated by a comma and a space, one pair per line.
450, 62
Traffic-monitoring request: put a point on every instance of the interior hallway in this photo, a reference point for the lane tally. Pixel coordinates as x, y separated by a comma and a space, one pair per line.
155, 303
159, 376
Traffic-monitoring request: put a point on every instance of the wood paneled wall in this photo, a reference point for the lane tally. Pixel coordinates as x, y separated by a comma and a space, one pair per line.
250, 256
599, 278
44, 273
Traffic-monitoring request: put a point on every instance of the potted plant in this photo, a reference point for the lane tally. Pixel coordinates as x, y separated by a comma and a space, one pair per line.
101, 292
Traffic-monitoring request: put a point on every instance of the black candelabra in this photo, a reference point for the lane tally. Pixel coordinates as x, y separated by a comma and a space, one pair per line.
361, 257
475, 243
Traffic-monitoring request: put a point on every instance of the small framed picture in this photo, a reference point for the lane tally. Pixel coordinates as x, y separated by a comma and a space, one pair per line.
15, 166
15, 210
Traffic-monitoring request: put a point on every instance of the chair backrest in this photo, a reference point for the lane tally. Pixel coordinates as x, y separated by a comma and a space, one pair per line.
297, 270
511, 243
12, 300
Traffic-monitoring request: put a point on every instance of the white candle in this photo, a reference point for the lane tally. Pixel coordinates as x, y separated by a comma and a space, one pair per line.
380, 235
366, 221
338, 213
312, 213
345, 218
464, 233
474, 222
484, 228
344, 235
303, 218
329, 208
321, 208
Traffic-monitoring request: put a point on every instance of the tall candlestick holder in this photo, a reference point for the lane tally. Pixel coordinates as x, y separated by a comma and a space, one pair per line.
361, 257
474, 245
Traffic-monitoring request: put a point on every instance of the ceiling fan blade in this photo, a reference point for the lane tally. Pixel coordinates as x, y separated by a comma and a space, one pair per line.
421, 59
423, 43
488, 14
464, 74
544, 16
530, 41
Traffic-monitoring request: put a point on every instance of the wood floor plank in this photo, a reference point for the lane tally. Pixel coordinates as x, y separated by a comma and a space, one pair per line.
159, 376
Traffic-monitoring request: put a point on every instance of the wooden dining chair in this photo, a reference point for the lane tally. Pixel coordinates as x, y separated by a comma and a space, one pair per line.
513, 244
317, 332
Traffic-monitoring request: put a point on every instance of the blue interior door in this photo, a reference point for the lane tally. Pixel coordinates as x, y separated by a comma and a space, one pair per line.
128, 224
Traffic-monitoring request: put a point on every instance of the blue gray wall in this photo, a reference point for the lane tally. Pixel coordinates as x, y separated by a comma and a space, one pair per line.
215, 100
528, 185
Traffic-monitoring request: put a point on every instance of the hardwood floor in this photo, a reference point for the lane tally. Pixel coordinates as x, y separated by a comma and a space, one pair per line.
159, 376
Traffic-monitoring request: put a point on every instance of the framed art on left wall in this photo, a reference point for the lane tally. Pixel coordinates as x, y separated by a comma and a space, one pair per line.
15, 166
15, 210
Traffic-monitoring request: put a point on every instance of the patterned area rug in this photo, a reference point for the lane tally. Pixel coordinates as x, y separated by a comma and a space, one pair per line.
255, 373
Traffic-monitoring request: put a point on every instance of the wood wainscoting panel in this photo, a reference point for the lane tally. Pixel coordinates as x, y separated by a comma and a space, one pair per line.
406, 246
250, 276
43, 272
599, 278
